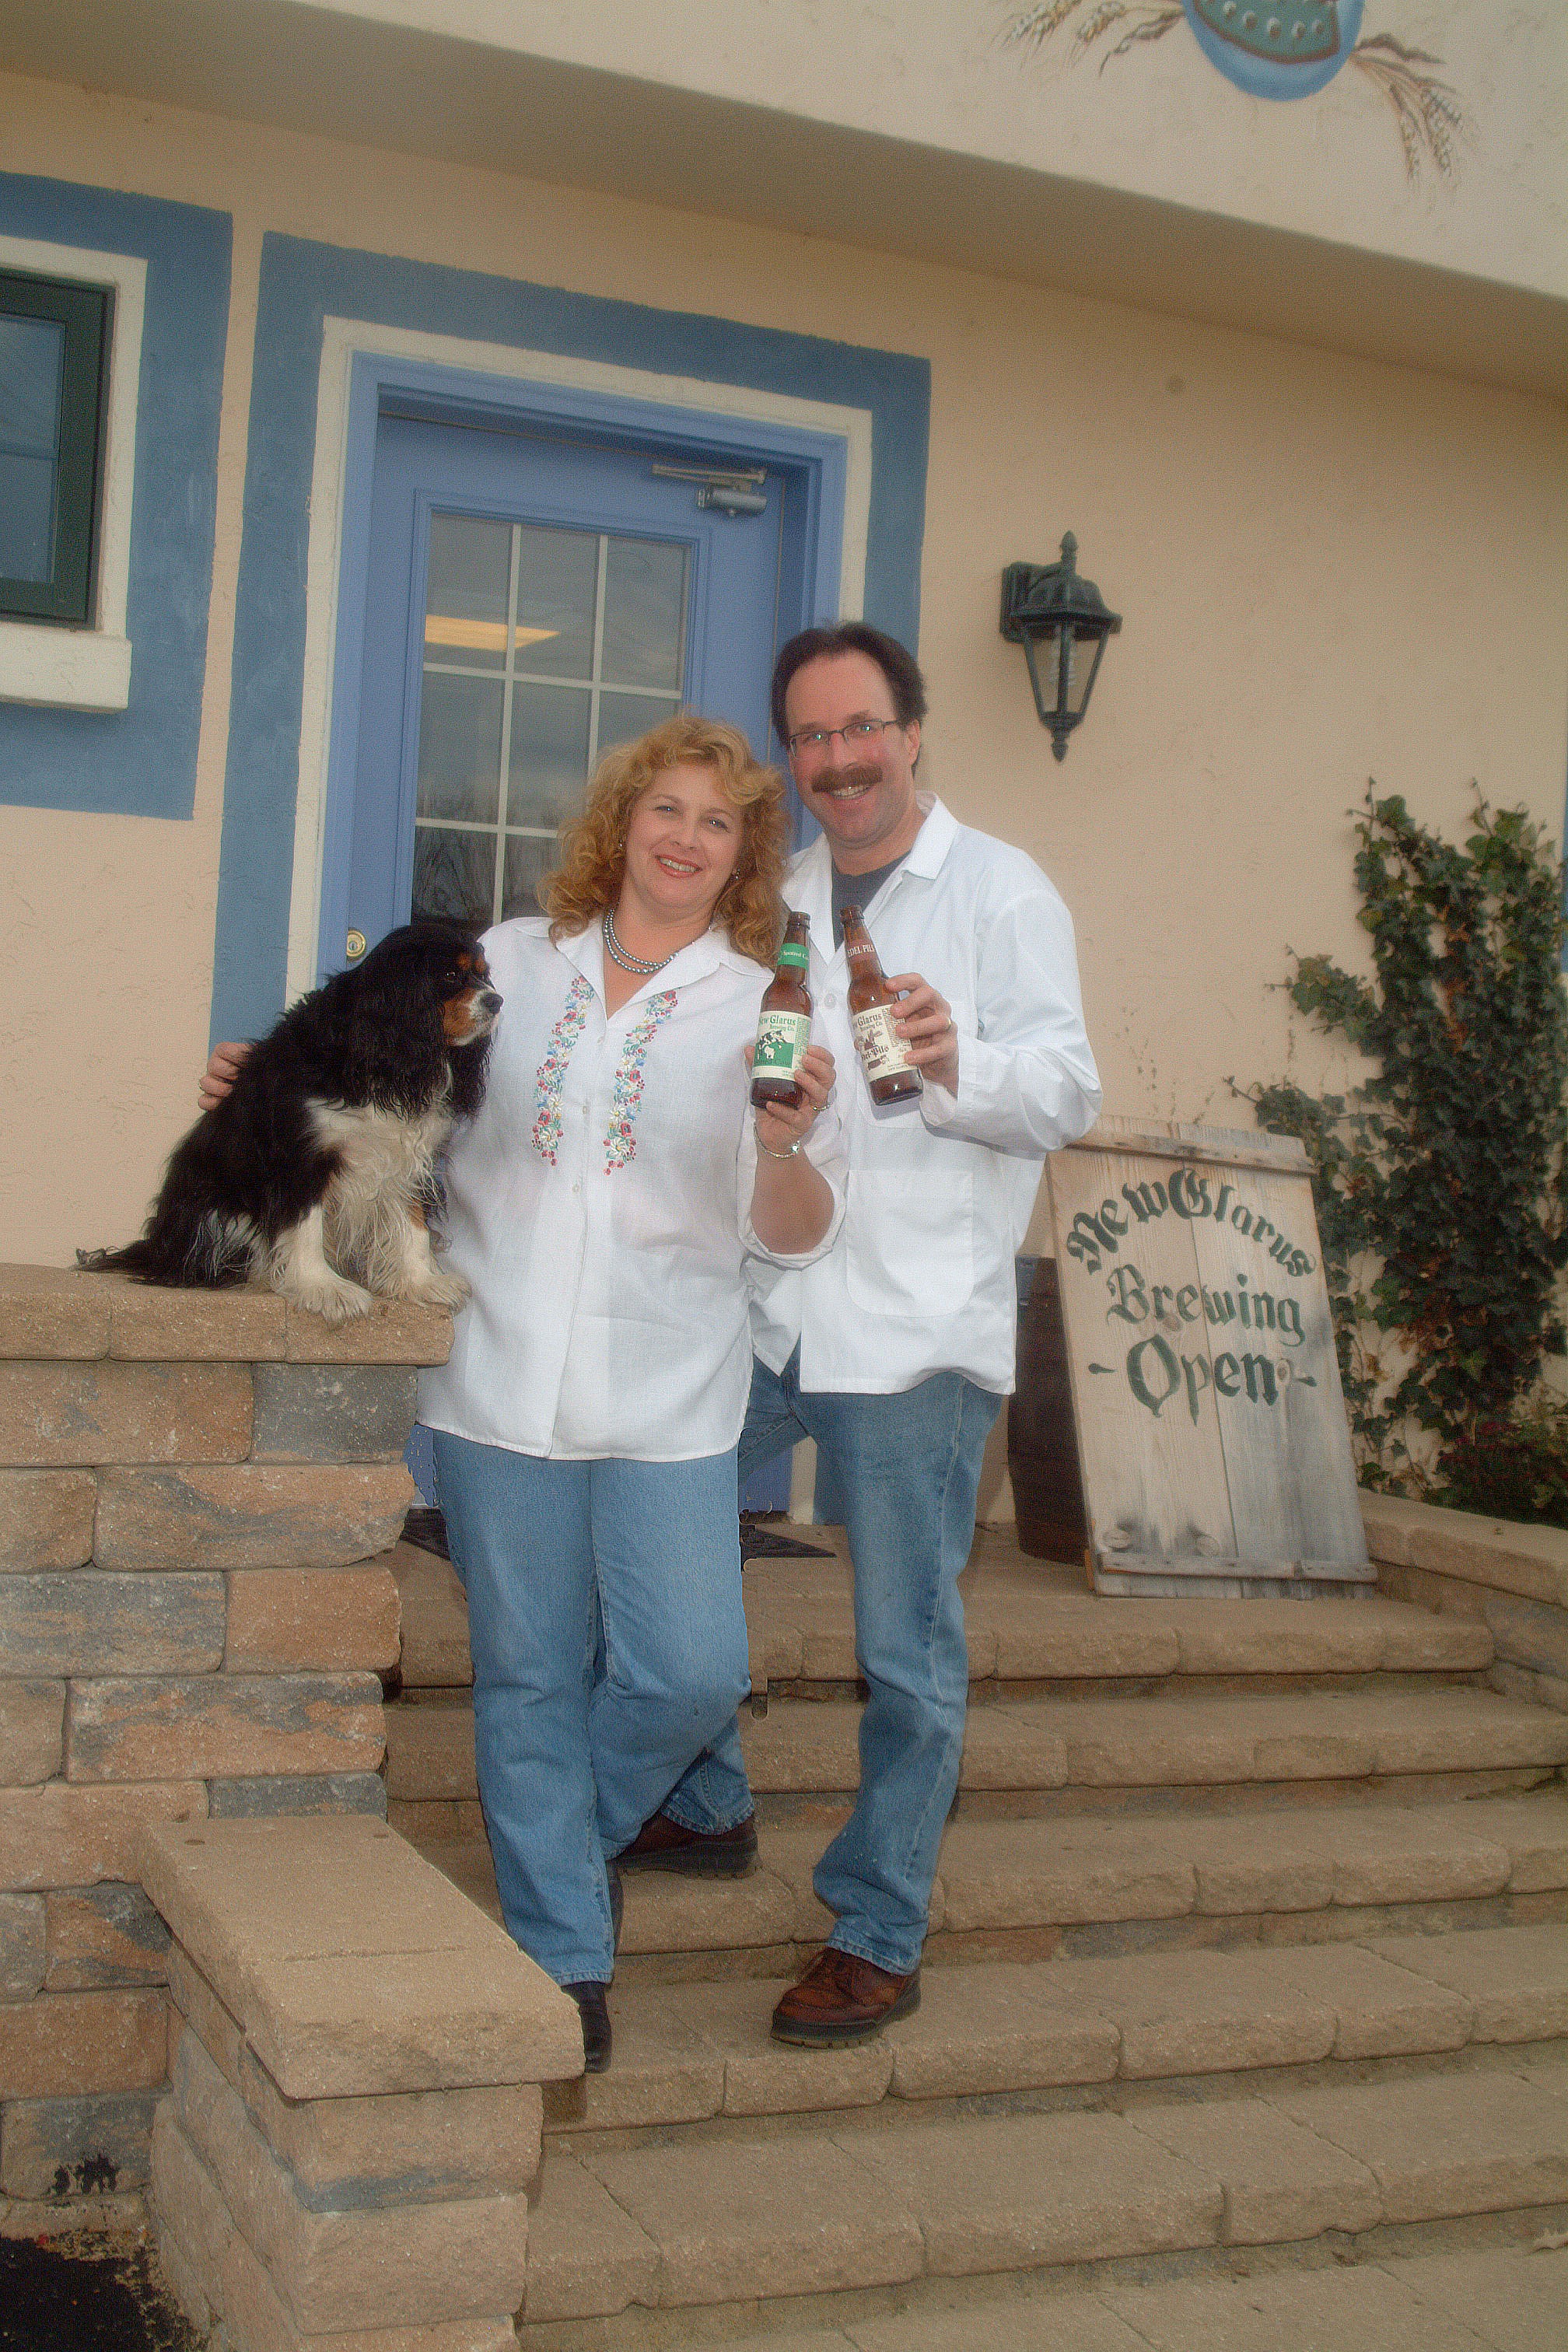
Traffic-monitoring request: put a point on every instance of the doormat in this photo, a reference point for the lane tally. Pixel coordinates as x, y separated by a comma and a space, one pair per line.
427, 1530
759, 1542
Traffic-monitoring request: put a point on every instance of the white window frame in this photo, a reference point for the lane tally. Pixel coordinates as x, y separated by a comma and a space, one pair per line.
43, 662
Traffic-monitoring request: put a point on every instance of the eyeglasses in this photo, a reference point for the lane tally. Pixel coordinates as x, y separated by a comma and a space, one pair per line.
855, 737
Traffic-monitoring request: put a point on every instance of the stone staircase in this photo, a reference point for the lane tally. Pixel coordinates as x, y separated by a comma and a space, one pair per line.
1249, 1964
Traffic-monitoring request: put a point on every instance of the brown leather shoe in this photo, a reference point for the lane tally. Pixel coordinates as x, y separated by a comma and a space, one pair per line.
664, 1845
843, 1999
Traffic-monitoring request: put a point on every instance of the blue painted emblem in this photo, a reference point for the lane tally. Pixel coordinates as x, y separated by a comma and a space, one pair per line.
1276, 48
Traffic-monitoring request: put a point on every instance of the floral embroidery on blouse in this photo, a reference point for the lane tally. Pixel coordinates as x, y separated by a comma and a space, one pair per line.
552, 1071
620, 1142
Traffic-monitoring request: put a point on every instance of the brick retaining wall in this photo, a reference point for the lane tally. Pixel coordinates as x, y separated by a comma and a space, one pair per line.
1513, 1579
197, 1491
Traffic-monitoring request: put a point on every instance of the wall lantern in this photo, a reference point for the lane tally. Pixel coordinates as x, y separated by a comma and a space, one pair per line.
1062, 623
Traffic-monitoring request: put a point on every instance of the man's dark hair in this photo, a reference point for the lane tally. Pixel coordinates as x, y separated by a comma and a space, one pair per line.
895, 661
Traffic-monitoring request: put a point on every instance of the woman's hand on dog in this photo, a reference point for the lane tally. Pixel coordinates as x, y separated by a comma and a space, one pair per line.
217, 1079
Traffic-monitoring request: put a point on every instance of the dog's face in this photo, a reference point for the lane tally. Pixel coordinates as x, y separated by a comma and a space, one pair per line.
469, 1004
433, 963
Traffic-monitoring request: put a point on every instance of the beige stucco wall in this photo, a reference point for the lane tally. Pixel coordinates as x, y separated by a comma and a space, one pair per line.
1329, 568
1159, 119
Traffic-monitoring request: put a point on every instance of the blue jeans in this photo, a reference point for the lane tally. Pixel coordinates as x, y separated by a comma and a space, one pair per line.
609, 1648
907, 1468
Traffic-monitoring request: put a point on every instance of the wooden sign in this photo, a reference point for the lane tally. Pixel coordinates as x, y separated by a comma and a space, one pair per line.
1211, 1427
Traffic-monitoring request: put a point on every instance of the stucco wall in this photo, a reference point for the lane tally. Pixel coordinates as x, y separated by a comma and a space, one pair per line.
1328, 569
1157, 119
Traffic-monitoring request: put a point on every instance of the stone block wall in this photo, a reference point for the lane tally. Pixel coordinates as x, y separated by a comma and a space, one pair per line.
197, 1492
355, 2113
1511, 1579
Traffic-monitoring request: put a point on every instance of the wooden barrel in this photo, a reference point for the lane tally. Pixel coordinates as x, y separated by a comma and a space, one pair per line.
1042, 1451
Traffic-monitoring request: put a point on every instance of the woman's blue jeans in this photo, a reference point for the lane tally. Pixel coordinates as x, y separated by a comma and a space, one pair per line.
609, 1648
906, 1468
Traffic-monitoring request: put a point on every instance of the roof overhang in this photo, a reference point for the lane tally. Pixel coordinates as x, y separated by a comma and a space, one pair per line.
421, 92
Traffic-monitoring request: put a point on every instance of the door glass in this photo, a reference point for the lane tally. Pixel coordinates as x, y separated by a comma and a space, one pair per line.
588, 632
645, 608
471, 574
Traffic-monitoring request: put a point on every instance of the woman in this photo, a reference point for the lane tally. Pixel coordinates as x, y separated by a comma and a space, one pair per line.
601, 1206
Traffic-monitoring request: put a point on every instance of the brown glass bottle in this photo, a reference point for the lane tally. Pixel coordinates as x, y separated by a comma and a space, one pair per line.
783, 1025
883, 1053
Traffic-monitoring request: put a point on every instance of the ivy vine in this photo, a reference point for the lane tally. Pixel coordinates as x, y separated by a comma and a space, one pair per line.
1439, 1181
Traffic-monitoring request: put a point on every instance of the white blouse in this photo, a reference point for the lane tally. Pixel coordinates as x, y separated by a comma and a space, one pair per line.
599, 1207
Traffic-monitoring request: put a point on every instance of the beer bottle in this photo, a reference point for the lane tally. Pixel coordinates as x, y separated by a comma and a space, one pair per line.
888, 1071
783, 1025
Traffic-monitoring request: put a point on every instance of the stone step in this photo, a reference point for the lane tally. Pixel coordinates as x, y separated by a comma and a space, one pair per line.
702, 2053
701, 2223
1052, 1751
1105, 1883
1506, 2298
1028, 1621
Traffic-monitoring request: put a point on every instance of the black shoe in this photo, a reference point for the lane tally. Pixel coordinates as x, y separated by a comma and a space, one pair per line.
595, 2017
617, 1904
664, 1845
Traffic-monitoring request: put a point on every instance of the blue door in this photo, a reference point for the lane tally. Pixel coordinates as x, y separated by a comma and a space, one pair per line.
532, 600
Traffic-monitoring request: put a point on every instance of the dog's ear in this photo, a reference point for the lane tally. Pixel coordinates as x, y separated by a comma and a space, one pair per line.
470, 1068
391, 1039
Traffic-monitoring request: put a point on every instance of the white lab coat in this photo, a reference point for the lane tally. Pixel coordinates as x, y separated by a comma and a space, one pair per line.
941, 1190
598, 1206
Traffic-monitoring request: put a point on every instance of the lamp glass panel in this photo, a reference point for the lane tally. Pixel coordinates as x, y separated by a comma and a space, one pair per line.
1081, 653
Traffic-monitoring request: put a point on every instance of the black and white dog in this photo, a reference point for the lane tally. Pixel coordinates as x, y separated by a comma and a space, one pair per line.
317, 1167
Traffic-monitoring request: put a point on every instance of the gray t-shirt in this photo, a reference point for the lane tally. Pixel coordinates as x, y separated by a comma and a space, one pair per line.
857, 890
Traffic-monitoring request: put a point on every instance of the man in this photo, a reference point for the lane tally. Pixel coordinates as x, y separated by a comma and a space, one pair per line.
894, 1353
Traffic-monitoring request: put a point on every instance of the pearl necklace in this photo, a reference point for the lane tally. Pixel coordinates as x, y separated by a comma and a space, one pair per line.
637, 965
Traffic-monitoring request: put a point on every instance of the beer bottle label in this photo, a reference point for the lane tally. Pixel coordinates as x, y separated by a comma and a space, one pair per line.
795, 952
782, 1041
879, 1044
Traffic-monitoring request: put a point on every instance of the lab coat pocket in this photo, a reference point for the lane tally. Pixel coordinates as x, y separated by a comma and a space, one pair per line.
910, 1242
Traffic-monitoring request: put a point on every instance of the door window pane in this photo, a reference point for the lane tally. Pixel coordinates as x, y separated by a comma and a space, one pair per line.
466, 596
549, 752
557, 590
624, 716
454, 873
527, 860
459, 748
645, 612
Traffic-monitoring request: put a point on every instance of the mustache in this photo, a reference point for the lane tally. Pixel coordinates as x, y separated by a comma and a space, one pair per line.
827, 780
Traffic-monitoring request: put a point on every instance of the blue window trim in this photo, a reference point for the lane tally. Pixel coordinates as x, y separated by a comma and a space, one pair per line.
303, 283
141, 761
461, 394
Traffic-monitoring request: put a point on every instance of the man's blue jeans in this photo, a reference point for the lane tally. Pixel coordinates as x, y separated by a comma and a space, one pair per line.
908, 1467
609, 1648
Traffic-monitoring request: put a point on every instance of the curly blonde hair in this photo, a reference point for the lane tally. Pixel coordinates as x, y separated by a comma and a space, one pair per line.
594, 846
